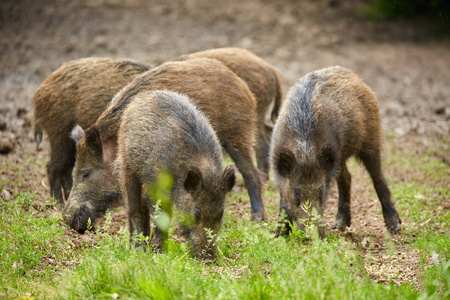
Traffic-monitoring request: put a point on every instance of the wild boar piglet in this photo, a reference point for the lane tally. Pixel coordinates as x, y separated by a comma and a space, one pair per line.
76, 93
163, 132
328, 116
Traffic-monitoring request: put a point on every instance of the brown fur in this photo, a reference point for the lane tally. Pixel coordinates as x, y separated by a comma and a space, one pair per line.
329, 116
162, 131
263, 80
222, 96
76, 93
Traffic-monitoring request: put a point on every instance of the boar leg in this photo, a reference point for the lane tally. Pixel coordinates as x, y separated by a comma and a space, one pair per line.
138, 212
343, 217
252, 180
66, 176
373, 165
67, 182
55, 183
59, 169
262, 151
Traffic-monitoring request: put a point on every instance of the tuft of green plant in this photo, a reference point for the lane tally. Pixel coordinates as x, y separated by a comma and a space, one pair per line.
159, 193
309, 223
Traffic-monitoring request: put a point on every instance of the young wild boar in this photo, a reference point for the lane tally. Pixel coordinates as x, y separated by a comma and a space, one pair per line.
162, 131
264, 81
76, 93
329, 116
222, 96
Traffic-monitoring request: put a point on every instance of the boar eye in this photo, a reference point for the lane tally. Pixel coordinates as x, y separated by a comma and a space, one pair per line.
297, 197
197, 213
85, 174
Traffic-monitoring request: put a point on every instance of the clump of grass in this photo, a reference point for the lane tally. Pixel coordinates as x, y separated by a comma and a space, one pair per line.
30, 246
251, 264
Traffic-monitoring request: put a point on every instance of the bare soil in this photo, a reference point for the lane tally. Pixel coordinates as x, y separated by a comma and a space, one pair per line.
408, 72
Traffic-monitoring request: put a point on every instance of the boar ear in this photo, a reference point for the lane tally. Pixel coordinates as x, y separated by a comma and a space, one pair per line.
229, 177
193, 180
327, 158
77, 134
285, 164
109, 150
94, 143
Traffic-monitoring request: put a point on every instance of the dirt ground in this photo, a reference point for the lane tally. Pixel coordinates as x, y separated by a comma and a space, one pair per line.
408, 72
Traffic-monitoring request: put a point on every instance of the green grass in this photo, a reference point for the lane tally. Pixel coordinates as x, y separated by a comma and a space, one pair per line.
39, 261
421, 203
30, 245
252, 264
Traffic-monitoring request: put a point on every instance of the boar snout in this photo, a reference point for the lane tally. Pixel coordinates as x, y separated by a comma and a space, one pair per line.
81, 219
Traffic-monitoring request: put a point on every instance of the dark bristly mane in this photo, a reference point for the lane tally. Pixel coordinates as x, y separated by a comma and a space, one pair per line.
301, 117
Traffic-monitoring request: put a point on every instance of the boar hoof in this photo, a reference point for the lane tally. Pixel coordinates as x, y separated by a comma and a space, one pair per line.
139, 245
208, 260
393, 225
343, 220
340, 224
282, 231
257, 216
156, 248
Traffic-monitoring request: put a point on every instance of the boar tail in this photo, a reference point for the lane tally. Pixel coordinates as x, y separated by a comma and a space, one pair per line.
37, 136
278, 98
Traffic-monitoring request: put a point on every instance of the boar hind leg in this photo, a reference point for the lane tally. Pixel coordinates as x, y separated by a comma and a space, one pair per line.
262, 152
343, 217
67, 183
55, 183
373, 165
66, 176
252, 179
59, 169
138, 212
